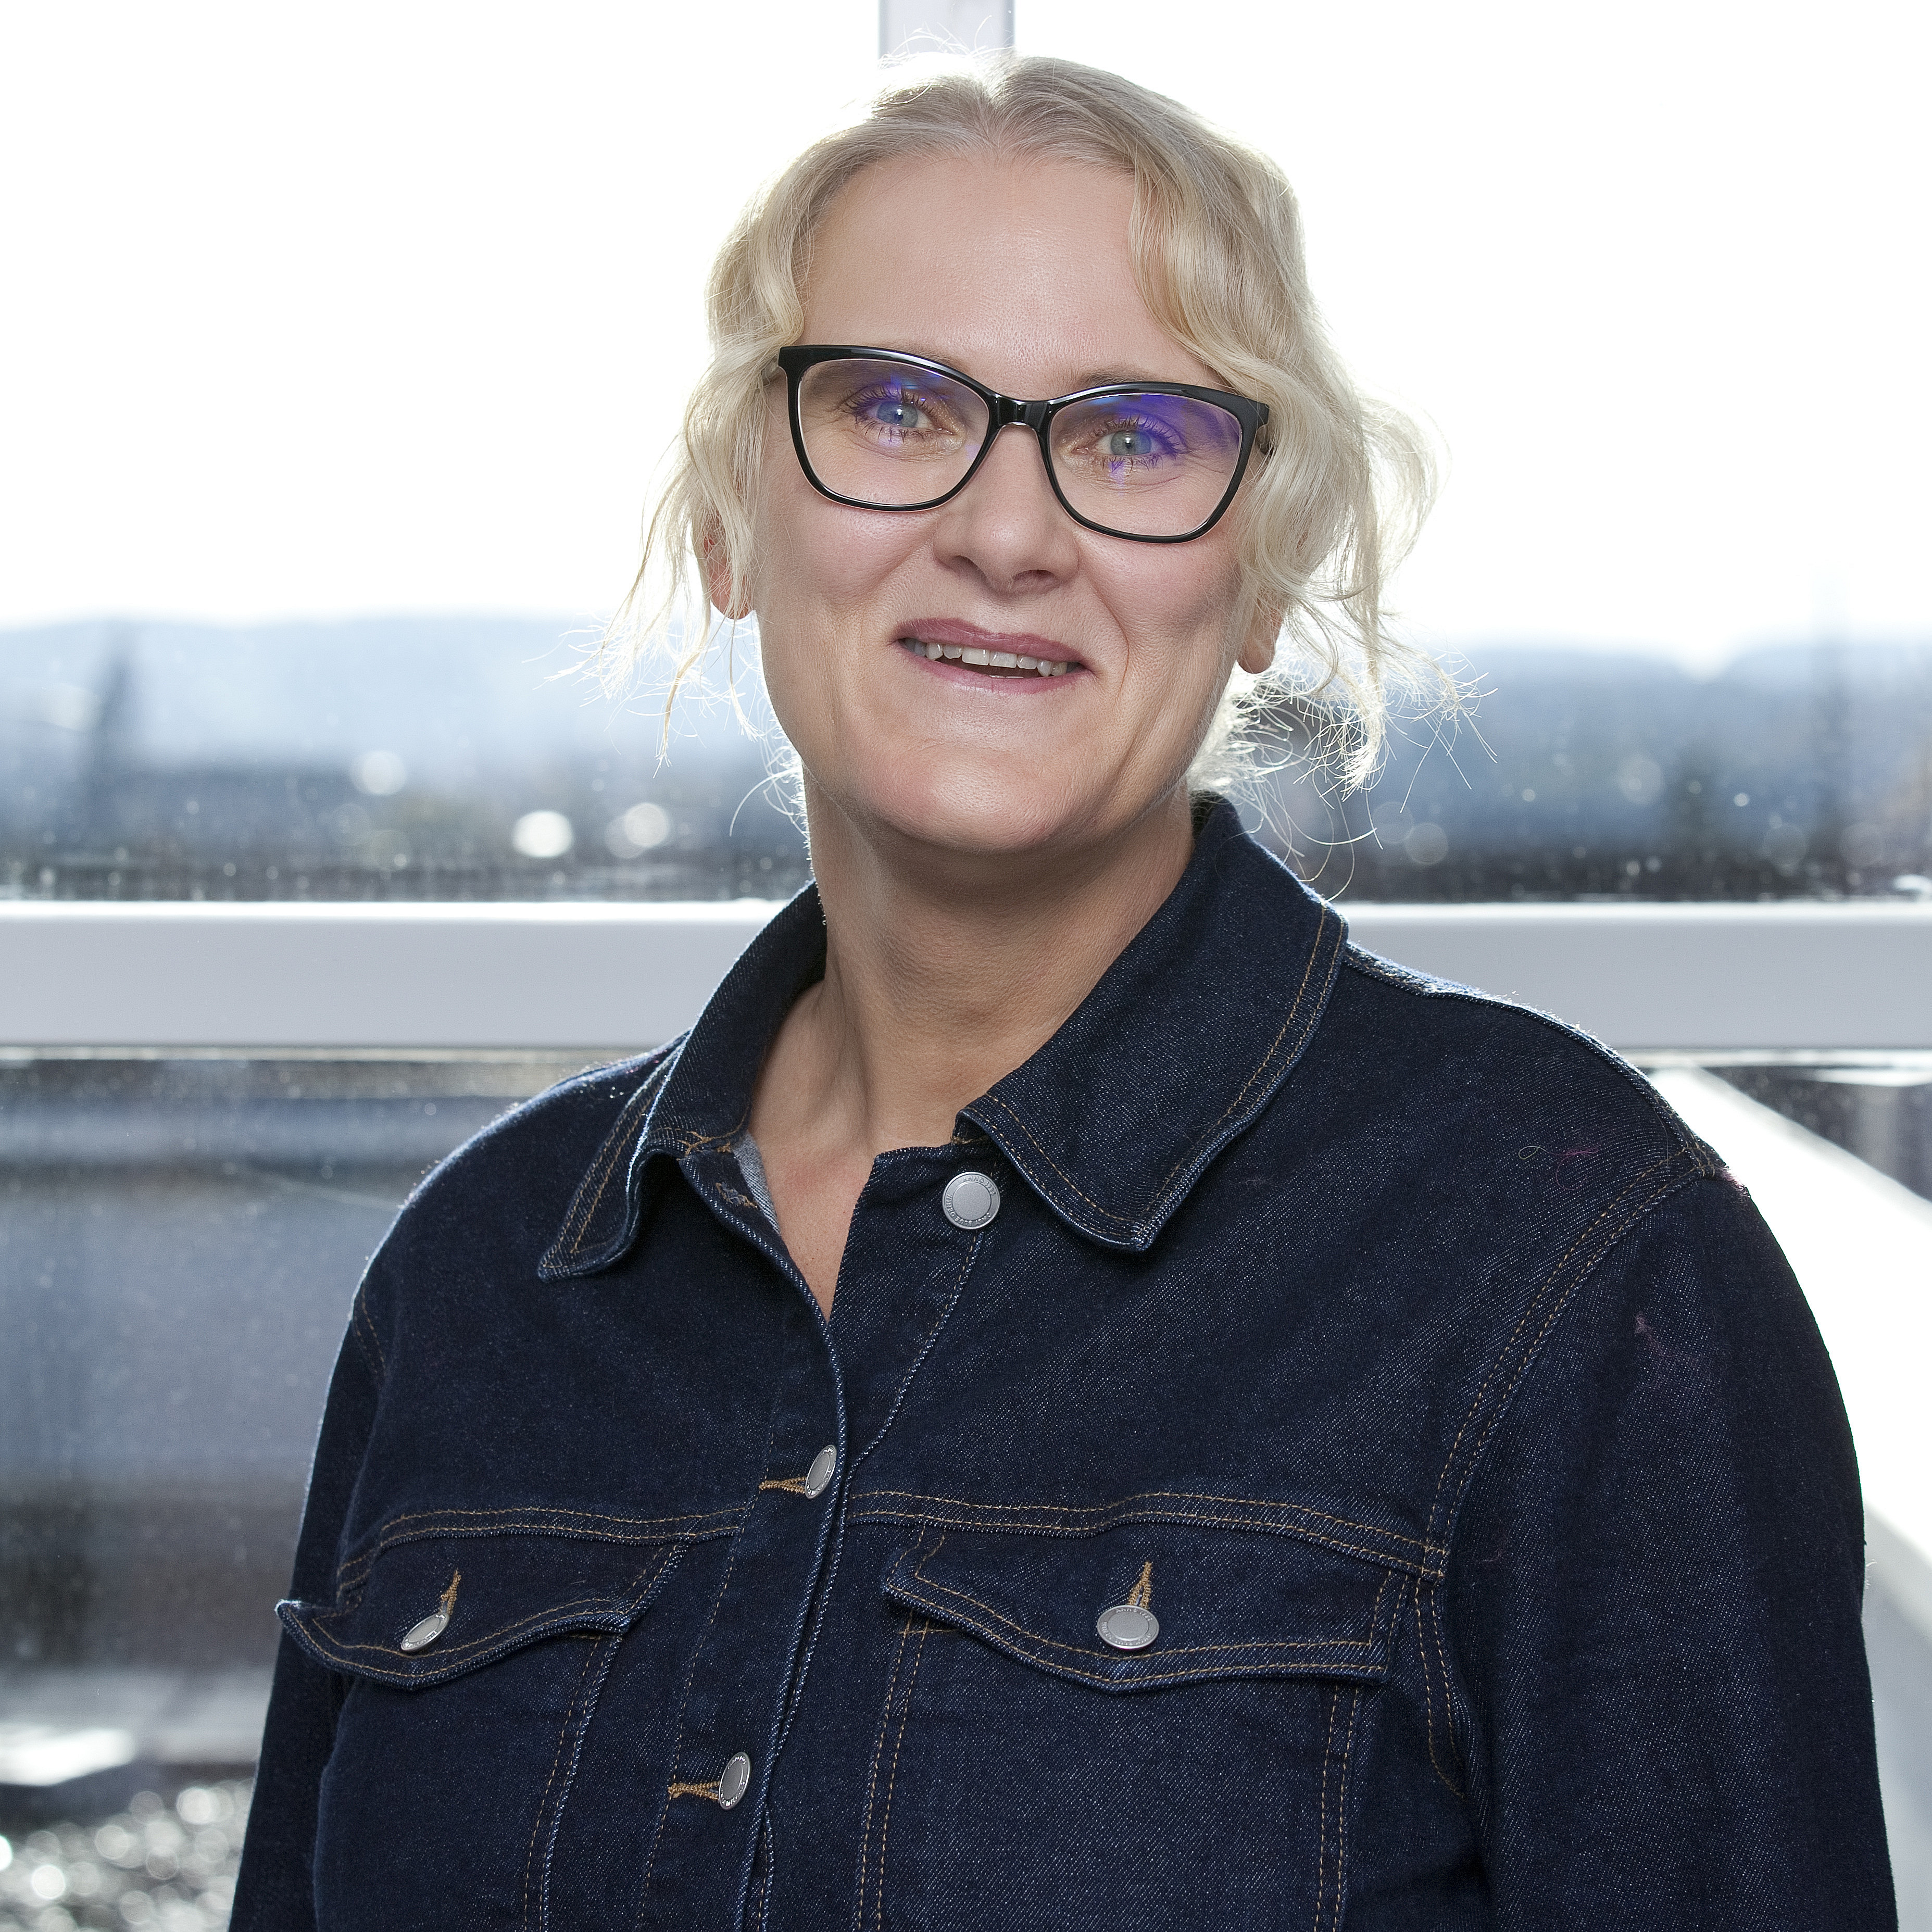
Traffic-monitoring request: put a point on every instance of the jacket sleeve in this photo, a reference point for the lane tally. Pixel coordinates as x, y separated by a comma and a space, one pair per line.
274, 1890
1654, 1606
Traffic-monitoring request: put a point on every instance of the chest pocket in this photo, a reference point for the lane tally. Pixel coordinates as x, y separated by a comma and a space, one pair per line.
472, 1665
1032, 1771
426, 1610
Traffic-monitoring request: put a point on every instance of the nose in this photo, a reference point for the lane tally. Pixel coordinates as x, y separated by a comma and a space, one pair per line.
1006, 525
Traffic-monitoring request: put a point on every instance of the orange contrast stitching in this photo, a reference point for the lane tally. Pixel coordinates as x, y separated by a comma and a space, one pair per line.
316, 1626
1442, 1670
1331, 929
1341, 1811
1067, 1510
1530, 1308
1553, 1316
892, 1778
665, 1529
536, 1827
1428, 1693
350, 1651
927, 1519
684, 1704
1321, 1810
878, 1752
1176, 1650
622, 1142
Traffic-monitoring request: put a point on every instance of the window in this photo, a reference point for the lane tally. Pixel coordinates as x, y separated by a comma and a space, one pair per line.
314, 332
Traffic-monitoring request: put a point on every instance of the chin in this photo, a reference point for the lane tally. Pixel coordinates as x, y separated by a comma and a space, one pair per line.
971, 806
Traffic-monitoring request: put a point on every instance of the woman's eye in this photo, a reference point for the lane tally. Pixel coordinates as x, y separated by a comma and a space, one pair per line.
894, 413
1129, 443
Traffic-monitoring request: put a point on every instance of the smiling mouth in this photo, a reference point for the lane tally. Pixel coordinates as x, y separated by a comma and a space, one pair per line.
989, 663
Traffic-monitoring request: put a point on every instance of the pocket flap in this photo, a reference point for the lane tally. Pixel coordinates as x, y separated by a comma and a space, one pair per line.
427, 1609
1226, 1603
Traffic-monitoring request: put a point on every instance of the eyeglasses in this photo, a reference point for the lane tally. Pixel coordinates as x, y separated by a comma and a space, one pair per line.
1153, 462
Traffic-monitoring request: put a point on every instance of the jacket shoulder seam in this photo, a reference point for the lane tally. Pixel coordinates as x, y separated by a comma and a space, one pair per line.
1431, 1597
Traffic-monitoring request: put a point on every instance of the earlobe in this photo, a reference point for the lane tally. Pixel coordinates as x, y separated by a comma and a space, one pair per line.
717, 570
1257, 653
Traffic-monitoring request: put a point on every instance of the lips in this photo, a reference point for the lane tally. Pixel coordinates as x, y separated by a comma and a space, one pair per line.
988, 654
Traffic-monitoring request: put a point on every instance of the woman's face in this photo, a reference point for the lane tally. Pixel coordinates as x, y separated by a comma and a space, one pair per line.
1018, 274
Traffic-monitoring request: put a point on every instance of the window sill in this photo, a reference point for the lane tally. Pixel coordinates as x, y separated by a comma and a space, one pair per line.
1783, 977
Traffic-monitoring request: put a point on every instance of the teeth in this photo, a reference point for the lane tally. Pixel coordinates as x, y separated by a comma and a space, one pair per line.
992, 660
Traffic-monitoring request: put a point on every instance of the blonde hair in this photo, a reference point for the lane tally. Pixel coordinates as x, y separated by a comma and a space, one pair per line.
1340, 485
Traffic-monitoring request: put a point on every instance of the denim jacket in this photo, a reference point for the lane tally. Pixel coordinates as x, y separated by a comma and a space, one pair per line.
1361, 1462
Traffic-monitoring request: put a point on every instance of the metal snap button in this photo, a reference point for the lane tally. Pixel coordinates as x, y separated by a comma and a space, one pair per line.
1127, 1626
970, 1200
824, 1466
734, 1781
420, 1636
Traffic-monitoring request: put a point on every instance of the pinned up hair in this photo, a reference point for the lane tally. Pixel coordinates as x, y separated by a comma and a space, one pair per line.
1340, 485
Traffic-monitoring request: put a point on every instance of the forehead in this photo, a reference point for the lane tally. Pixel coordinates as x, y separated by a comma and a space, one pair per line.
1015, 269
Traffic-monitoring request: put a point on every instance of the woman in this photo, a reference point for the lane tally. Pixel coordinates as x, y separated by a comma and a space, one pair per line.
1074, 1397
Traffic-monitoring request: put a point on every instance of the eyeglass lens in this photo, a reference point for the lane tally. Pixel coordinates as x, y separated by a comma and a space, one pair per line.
1143, 463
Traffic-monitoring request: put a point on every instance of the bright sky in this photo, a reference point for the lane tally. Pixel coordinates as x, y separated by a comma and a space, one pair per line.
390, 307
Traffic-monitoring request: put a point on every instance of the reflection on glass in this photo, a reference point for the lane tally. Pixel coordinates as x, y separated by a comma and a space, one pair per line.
454, 759
410, 758
179, 1241
1795, 771
1877, 1106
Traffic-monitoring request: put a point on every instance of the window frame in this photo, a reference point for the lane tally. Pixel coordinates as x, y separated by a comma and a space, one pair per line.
1778, 976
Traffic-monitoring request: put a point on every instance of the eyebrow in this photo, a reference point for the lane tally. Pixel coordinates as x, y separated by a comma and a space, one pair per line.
1091, 379
1101, 379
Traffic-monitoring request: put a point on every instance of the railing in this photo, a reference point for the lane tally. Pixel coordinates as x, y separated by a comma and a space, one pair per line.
1775, 977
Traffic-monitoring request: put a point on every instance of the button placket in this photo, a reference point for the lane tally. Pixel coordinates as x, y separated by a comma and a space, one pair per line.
740, 1677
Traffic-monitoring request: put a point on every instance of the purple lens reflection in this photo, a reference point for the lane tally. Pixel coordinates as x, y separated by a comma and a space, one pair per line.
888, 433
1146, 463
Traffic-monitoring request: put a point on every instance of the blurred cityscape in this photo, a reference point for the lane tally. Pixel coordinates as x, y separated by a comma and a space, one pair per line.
457, 758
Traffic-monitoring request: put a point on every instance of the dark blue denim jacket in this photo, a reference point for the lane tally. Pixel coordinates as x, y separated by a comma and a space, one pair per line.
1441, 1400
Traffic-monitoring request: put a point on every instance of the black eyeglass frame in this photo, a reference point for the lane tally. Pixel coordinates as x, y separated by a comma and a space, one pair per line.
1002, 412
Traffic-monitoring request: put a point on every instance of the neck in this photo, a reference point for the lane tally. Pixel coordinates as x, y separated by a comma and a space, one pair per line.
943, 972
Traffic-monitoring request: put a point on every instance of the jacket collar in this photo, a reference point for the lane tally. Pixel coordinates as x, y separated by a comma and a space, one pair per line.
1181, 1044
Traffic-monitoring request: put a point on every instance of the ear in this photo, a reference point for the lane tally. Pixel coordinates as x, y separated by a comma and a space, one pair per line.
1258, 648
718, 574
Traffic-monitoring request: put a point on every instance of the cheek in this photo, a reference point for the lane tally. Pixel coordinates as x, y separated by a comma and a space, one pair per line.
818, 571
1176, 612
817, 562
